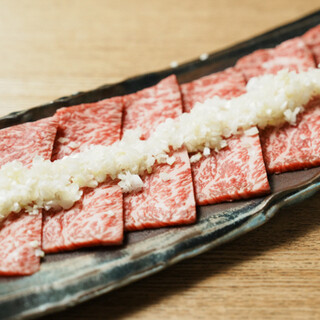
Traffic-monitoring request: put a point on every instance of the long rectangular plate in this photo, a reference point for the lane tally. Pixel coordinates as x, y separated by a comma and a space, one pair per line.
69, 278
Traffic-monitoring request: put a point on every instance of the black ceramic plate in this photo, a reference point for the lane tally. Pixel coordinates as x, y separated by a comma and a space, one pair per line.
66, 279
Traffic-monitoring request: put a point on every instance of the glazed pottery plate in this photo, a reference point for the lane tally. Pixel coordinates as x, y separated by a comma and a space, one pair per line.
66, 279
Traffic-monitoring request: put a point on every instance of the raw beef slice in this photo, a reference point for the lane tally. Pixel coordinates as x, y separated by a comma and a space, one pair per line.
288, 147
236, 171
226, 84
20, 233
293, 147
292, 54
312, 40
167, 197
97, 219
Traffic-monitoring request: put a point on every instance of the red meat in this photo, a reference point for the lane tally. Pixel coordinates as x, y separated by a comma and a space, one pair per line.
293, 147
312, 40
238, 170
290, 147
292, 54
97, 219
226, 84
20, 233
162, 201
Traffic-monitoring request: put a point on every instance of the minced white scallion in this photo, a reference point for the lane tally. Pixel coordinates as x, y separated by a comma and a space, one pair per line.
74, 145
174, 64
63, 140
130, 182
269, 100
35, 244
171, 160
39, 253
206, 151
196, 157
251, 132
203, 56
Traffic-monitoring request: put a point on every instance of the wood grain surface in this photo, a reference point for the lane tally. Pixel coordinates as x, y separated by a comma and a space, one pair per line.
55, 48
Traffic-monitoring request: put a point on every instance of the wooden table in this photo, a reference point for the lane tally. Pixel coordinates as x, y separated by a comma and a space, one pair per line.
55, 48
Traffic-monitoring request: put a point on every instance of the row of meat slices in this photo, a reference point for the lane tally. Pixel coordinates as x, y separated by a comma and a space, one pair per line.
102, 215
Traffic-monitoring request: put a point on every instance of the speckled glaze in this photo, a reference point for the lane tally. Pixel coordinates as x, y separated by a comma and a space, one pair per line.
66, 279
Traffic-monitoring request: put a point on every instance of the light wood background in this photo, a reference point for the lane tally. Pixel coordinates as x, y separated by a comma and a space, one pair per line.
53, 48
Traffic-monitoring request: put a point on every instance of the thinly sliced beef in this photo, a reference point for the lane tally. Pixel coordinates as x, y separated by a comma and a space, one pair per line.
167, 197
293, 147
238, 170
290, 147
235, 172
20, 233
292, 54
226, 84
96, 219
312, 39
